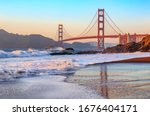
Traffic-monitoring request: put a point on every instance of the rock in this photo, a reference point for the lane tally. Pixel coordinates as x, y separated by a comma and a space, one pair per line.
21, 72
143, 46
132, 47
69, 50
116, 49
65, 51
88, 52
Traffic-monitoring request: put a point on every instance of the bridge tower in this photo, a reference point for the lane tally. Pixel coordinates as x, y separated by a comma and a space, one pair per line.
123, 39
60, 35
131, 38
127, 38
101, 30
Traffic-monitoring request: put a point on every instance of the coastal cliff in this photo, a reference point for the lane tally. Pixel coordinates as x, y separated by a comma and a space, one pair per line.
143, 46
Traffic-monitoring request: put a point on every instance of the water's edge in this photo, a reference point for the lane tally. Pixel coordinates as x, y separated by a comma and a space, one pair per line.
115, 80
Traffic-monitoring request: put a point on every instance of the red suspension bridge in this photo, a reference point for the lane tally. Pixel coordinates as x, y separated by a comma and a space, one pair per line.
100, 33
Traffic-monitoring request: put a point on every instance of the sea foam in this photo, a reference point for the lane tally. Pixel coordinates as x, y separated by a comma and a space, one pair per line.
23, 53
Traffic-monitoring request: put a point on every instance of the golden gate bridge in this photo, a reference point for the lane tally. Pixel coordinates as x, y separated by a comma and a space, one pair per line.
124, 38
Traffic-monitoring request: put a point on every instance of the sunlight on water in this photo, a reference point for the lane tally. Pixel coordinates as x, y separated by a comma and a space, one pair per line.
110, 80
116, 80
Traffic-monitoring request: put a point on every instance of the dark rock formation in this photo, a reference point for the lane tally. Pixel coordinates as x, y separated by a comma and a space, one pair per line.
66, 51
132, 47
89, 52
143, 46
116, 49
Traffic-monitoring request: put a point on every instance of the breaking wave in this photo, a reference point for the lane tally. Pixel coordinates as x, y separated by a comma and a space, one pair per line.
30, 63
23, 53
17, 69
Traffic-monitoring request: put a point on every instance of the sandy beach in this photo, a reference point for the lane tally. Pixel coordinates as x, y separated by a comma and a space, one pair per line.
34, 74
139, 60
125, 79
45, 87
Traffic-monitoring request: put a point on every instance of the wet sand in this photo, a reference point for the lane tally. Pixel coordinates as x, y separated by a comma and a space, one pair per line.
126, 79
45, 87
139, 60
87, 85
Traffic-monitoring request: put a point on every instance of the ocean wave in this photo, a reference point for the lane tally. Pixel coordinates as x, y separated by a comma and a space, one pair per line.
12, 70
51, 65
23, 53
4, 54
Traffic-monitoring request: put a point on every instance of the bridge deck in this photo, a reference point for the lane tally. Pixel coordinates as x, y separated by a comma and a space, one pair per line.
106, 36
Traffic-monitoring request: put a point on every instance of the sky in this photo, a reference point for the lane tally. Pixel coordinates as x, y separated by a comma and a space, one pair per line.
43, 16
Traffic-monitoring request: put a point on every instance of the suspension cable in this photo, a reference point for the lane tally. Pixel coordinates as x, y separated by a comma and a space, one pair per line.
86, 29
114, 23
66, 33
111, 26
91, 27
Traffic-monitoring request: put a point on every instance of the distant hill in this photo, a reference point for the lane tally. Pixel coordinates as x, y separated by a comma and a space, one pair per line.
78, 46
88, 46
9, 40
17, 41
106, 44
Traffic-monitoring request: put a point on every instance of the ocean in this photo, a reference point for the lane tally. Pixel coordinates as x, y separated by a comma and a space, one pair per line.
35, 74
116, 80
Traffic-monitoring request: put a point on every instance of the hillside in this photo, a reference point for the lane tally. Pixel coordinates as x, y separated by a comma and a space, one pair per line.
143, 46
16, 41
9, 40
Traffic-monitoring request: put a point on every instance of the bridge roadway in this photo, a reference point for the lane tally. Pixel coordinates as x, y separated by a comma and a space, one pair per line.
106, 36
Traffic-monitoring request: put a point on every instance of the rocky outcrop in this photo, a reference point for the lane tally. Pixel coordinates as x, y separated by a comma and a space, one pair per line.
63, 51
143, 46
88, 52
116, 49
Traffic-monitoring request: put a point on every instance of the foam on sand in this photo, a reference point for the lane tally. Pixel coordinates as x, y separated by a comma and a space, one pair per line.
38, 64
54, 65
50, 87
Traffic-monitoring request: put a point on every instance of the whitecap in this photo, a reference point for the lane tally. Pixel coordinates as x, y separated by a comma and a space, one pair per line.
23, 53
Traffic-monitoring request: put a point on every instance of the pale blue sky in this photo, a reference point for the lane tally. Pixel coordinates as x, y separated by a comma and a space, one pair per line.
42, 16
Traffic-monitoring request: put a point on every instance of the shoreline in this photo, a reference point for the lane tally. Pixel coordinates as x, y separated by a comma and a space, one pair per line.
49, 87
116, 81
57, 86
130, 60
133, 60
